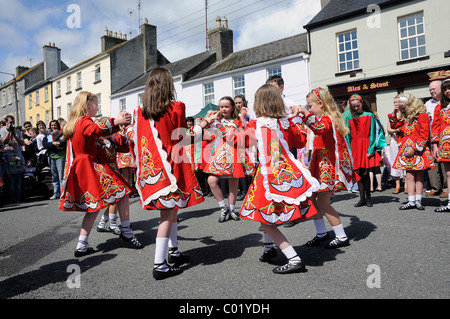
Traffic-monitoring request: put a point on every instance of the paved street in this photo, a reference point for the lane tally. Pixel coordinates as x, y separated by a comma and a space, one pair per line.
393, 254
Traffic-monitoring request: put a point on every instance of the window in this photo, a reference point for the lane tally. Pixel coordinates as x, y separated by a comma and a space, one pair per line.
97, 73
99, 97
239, 85
38, 118
123, 104
274, 71
69, 84
79, 80
140, 97
58, 112
46, 94
69, 106
348, 55
47, 117
9, 95
58, 88
208, 94
412, 36
37, 97
30, 101
3, 98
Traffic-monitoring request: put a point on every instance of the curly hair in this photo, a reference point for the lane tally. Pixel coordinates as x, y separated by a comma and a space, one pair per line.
415, 107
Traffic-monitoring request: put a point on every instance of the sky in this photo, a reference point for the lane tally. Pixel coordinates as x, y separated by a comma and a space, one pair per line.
76, 26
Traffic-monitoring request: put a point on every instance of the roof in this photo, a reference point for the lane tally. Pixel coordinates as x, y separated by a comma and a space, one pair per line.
267, 52
337, 10
177, 68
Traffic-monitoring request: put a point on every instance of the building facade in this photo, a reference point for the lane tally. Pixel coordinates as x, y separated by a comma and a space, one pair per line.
379, 48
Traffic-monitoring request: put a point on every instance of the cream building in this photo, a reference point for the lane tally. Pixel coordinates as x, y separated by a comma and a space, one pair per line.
379, 48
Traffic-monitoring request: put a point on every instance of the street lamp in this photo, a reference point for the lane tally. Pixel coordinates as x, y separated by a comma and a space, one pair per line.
15, 93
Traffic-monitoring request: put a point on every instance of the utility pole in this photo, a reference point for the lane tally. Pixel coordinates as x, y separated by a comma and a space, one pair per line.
206, 23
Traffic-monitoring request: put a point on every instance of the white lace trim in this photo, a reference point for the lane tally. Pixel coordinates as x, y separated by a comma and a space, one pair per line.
162, 153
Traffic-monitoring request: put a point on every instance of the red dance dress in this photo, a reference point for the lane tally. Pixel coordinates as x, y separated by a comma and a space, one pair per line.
229, 157
440, 131
89, 183
416, 136
126, 159
331, 162
164, 176
281, 188
362, 138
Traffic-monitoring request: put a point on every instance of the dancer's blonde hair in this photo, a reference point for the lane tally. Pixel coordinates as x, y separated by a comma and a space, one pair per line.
330, 108
78, 110
416, 107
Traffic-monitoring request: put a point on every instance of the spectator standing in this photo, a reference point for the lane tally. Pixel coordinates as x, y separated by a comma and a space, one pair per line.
436, 177
55, 144
15, 163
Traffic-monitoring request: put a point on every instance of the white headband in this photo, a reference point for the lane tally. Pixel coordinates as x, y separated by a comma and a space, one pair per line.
403, 99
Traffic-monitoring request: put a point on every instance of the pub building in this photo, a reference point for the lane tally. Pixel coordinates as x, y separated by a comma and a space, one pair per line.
379, 92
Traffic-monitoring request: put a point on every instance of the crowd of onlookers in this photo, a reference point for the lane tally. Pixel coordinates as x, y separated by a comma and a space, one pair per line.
25, 153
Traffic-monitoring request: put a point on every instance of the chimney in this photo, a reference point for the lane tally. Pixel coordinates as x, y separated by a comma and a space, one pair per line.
52, 60
150, 51
110, 40
221, 39
323, 3
21, 69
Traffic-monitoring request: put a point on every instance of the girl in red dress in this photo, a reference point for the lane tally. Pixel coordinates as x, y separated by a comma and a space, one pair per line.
108, 149
164, 177
125, 160
414, 154
440, 135
281, 189
363, 126
227, 161
331, 162
89, 184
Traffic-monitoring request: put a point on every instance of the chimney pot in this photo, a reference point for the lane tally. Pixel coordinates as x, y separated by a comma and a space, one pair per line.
106, 31
146, 21
110, 33
124, 36
218, 22
225, 22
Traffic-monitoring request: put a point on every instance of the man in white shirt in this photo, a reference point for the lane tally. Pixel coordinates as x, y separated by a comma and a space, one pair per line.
436, 177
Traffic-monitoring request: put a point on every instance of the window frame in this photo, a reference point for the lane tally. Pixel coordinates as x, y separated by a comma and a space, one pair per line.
239, 89
408, 37
208, 95
346, 51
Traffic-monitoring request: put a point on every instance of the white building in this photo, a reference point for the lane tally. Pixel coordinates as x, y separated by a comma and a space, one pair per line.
207, 77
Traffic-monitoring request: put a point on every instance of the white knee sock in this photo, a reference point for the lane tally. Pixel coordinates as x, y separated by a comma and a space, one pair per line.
126, 230
321, 230
82, 243
103, 220
291, 254
267, 241
222, 203
419, 198
161, 250
173, 237
339, 232
412, 199
112, 220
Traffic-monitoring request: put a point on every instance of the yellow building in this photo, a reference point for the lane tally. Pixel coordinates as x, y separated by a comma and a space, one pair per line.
38, 104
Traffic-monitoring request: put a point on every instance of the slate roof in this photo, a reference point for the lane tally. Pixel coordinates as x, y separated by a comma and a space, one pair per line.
182, 67
340, 9
267, 52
